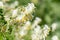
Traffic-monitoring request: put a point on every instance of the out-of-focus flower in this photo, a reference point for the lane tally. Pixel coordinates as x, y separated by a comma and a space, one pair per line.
37, 29
36, 21
46, 30
54, 26
19, 18
27, 25
30, 7
13, 5
55, 37
14, 13
22, 33
35, 37
36, 33
16, 3
1, 4
7, 18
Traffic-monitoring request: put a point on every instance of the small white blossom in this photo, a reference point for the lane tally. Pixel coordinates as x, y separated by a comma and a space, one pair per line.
37, 29
14, 13
19, 17
13, 5
46, 30
1, 4
16, 3
30, 7
22, 33
36, 21
28, 23
55, 37
35, 37
54, 26
7, 18
36, 33
24, 30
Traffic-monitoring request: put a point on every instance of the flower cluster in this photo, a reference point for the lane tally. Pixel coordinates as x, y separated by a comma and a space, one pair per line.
19, 17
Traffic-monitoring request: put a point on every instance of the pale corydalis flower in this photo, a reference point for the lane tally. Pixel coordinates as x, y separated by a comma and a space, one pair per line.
19, 18
55, 37
37, 29
27, 25
54, 26
36, 33
36, 22
30, 7
46, 30
14, 12
22, 32
39, 33
1, 4
25, 29
7, 18
13, 5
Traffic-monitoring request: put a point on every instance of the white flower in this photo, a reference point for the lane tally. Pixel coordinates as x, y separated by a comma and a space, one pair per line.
36, 33
7, 18
55, 37
34, 37
28, 23
22, 32
37, 29
46, 30
54, 26
14, 13
36, 21
16, 3
27, 26
13, 5
1, 4
30, 7
19, 18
